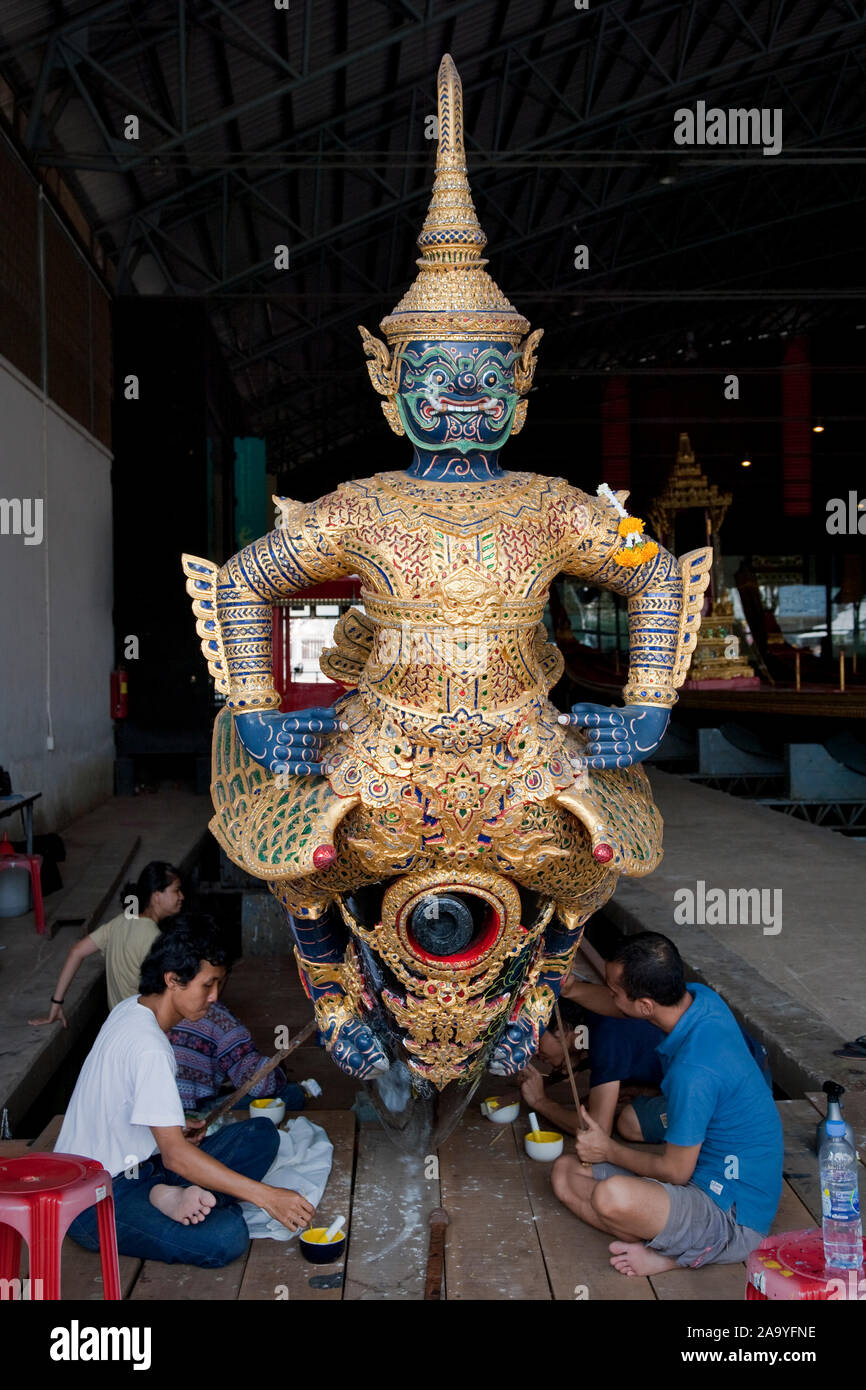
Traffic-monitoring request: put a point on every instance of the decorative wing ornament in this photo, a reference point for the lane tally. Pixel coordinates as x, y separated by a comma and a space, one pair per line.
695, 569
384, 371
201, 577
524, 369
550, 658
380, 366
353, 637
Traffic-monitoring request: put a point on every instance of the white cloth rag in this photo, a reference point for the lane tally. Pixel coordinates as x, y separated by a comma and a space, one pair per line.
303, 1163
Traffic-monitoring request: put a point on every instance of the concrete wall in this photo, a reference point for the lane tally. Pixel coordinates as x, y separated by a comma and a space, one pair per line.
56, 638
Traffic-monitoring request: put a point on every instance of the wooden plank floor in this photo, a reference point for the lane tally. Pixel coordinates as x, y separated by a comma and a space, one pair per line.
492, 1250
576, 1257
392, 1199
508, 1238
274, 1269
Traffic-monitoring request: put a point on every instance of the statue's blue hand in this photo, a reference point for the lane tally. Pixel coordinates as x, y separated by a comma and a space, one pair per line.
287, 742
516, 1048
618, 737
356, 1050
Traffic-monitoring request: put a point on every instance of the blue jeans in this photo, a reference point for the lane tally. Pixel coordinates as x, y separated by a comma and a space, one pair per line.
248, 1147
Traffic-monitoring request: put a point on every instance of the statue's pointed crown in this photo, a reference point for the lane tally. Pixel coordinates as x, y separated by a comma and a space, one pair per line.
452, 294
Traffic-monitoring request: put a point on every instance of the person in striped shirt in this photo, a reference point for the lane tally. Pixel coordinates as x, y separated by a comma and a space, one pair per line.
218, 1049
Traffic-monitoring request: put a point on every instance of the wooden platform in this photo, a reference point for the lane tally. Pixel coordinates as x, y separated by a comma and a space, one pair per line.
809, 702
509, 1237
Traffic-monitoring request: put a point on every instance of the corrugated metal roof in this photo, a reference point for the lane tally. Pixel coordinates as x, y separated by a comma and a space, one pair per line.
21, 20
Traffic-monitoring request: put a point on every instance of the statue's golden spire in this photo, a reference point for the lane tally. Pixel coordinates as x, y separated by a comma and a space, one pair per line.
452, 295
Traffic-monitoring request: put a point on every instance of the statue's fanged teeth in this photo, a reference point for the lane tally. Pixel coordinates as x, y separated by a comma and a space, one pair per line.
487, 406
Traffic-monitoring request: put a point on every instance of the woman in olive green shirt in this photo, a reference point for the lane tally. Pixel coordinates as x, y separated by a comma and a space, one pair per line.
126, 939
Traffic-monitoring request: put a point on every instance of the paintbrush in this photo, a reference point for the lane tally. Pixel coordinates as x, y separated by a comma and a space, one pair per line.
581, 1125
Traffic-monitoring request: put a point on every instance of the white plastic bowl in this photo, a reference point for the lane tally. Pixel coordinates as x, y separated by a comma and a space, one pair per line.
500, 1114
544, 1145
275, 1110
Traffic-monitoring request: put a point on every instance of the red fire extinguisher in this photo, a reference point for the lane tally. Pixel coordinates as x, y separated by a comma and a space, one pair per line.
119, 692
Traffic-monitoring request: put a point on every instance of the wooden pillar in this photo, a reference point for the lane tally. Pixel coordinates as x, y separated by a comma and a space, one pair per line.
797, 429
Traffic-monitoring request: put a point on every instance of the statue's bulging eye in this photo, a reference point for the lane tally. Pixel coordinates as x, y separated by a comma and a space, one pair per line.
438, 378
490, 379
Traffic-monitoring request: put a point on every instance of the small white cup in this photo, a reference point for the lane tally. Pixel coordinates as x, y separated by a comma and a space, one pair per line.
545, 1150
500, 1114
275, 1110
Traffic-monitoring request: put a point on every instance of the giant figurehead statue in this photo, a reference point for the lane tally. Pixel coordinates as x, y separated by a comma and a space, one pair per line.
440, 836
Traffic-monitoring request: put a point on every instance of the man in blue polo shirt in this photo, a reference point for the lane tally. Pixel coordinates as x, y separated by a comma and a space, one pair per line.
712, 1194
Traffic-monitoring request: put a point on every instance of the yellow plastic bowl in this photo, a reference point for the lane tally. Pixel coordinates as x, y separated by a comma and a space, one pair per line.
543, 1144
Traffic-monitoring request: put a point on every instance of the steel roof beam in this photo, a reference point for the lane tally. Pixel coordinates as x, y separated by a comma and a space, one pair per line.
545, 233
580, 128
760, 46
389, 112
59, 31
293, 83
134, 101
99, 120
452, 12
47, 66
182, 56
667, 78
685, 26
398, 205
259, 46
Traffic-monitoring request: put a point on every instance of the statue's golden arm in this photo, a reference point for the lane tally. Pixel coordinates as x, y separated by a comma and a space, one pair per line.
233, 607
292, 557
664, 601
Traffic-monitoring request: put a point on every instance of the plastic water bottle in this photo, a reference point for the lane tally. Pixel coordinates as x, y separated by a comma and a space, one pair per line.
840, 1200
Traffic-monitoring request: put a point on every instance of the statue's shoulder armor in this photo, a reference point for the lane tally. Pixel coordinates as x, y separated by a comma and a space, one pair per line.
569, 492
517, 498
570, 510
353, 502
334, 514
308, 531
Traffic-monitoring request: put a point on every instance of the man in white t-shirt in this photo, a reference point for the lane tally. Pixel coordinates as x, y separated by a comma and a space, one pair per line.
176, 1196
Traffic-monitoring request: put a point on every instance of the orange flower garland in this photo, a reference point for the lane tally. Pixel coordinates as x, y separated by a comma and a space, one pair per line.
638, 548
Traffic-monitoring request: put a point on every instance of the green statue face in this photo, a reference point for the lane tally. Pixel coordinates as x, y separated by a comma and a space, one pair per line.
457, 395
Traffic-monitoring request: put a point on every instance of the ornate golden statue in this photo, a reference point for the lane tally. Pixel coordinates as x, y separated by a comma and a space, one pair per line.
440, 836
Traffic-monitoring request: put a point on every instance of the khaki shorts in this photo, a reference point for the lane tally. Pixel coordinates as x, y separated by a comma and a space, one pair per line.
697, 1231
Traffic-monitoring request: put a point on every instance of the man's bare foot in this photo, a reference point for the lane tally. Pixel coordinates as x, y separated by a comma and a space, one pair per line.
637, 1259
188, 1205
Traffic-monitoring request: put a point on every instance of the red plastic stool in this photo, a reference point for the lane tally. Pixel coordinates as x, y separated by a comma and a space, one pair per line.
33, 863
40, 1197
791, 1267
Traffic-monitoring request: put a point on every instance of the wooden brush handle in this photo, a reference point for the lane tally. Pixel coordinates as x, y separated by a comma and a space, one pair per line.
568, 1067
